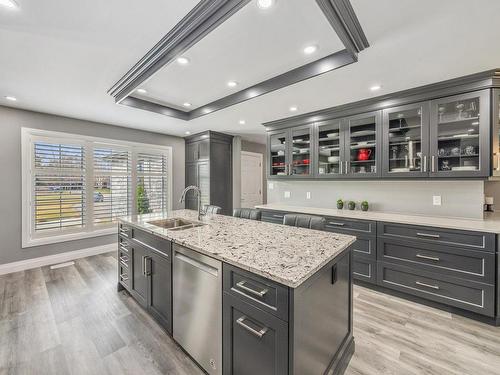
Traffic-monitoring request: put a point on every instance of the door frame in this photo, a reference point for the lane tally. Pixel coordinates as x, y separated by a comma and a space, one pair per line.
261, 160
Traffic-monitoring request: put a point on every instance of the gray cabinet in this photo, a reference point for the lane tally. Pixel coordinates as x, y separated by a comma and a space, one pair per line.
159, 269
255, 342
290, 152
139, 279
209, 166
460, 135
406, 141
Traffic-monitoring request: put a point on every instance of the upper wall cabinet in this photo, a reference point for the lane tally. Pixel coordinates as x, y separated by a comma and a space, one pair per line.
330, 149
406, 140
290, 152
496, 132
460, 135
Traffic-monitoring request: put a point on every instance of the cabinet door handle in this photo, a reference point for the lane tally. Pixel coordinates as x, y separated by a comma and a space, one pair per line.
258, 293
427, 285
336, 224
143, 264
147, 266
259, 334
346, 167
436, 259
432, 163
340, 167
428, 235
498, 162
425, 163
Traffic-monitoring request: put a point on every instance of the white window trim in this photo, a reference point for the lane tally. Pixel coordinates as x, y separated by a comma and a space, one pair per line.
29, 135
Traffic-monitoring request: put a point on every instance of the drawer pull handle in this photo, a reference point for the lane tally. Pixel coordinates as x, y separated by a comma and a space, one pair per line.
124, 260
427, 285
428, 235
436, 259
124, 277
259, 334
335, 223
260, 293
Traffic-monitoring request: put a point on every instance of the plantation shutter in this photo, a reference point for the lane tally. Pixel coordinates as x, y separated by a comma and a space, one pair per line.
111, 190
151, 182
59, 186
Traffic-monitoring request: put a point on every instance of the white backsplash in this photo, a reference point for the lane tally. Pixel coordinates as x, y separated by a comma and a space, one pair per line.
415, 197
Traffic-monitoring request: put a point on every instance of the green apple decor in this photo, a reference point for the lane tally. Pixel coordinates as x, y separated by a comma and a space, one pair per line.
351, 205
364, 206
340, 204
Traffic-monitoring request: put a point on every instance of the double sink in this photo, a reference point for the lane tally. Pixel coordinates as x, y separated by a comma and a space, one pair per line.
176, 223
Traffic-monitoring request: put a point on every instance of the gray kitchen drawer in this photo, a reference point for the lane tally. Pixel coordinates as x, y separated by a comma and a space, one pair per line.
273, 216
350, 226
123, 244
464, 294
152, 242
365, 246
124, 275
267, 295
364, 269
445, 260
124, 230
451, 237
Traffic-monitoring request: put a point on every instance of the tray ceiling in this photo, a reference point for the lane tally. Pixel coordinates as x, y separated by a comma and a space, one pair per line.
251, 46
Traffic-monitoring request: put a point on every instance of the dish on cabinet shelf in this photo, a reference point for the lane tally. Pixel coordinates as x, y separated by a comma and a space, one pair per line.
465, 168
400, 170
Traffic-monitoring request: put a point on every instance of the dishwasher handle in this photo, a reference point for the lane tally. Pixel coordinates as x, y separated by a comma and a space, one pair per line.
196, 263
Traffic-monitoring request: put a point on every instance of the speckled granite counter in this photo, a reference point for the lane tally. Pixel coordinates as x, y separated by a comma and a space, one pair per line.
281, 253
490, 224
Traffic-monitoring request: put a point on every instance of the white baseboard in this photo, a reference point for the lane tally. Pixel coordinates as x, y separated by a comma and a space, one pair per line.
27, 264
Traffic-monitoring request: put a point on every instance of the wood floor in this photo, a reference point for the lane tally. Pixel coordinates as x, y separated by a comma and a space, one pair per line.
72, 321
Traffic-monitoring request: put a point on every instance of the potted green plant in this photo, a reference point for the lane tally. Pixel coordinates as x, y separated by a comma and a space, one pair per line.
364, 206
351, 205
340, 204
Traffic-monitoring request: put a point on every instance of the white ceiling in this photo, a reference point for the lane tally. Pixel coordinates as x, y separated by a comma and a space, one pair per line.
62, 56
250, 47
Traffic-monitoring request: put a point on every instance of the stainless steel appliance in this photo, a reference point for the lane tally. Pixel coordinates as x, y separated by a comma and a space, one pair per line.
197, 307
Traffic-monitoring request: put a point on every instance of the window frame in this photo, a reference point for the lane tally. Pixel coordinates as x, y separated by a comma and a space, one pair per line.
29, 136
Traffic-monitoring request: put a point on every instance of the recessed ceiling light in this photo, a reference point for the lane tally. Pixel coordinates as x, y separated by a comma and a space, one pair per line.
375, 87
232, 83
11, 98
265, 4
187, 133
310, 49
293, 109
186, 104
9, 4
242, 122
183, 60
141, 91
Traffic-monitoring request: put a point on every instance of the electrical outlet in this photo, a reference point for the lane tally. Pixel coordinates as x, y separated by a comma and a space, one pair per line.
308, 195
287, 194
271, 186
436, 200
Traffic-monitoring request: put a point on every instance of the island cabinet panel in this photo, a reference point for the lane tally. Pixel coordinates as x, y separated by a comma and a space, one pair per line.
150, 265
254, 341
258, 291
364, 269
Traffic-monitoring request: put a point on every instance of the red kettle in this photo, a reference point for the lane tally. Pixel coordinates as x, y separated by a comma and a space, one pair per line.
364, 153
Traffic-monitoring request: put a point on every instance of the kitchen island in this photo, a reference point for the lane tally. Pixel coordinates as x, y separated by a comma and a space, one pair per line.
241, 296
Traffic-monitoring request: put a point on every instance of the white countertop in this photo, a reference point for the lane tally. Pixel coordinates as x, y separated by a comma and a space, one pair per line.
490, 224
281, 253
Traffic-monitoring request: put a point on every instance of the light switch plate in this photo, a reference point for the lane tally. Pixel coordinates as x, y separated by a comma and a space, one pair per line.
308, 195
287, 194
436, 200
271, 186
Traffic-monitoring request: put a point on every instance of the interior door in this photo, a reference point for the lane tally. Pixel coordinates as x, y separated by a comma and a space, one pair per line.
251, 179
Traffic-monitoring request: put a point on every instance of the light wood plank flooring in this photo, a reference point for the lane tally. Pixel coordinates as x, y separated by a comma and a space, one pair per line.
72, 321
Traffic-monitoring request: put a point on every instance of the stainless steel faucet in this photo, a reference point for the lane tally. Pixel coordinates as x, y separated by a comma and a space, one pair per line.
198, 192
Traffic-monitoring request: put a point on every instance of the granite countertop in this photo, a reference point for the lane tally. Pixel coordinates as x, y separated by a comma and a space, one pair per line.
490, 224
281, 253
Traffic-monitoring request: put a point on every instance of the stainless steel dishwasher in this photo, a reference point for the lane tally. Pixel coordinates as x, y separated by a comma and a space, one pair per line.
197, 307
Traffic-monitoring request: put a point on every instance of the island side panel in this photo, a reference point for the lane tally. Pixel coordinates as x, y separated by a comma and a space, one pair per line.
321, 338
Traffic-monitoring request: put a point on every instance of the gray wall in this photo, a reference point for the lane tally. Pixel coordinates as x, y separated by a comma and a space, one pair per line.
258, 148
459, 198
11, 121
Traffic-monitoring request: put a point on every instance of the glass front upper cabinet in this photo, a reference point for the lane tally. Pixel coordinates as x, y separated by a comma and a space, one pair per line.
406, 140
329, 148
362, 142
301, 143
496, 134
460, 139
278, 154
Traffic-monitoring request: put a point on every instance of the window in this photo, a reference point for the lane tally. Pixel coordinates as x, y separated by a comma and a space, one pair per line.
77, 187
